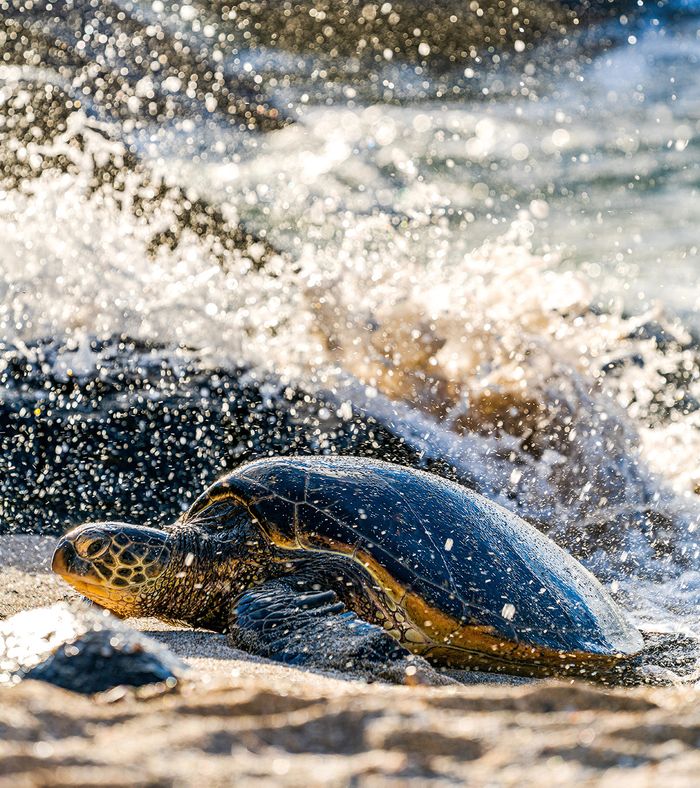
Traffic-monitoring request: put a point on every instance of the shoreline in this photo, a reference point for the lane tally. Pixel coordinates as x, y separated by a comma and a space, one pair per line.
239, 718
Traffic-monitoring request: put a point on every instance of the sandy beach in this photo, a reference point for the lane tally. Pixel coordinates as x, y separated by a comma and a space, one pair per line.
460, 238
236, 720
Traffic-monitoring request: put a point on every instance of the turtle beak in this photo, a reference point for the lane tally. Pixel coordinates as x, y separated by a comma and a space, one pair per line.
80, 575
66, 561
76, 571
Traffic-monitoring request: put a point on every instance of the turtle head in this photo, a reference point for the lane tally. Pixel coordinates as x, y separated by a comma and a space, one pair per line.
127, 569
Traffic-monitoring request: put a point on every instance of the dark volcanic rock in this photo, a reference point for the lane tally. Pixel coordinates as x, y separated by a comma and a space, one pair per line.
43, 129
139, 434
108, 49
438, 34
81, 649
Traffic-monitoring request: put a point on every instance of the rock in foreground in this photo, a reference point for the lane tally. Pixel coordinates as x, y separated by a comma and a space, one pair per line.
81, 649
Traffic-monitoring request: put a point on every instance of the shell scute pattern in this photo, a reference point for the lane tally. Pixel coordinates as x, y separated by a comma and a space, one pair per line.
402, 520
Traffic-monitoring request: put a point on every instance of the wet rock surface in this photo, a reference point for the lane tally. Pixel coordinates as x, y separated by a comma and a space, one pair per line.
108, 62
144, 431
45, 129
83, 649
439, 34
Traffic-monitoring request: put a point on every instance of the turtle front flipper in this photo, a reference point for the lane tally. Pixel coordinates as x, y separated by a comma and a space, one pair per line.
311, 628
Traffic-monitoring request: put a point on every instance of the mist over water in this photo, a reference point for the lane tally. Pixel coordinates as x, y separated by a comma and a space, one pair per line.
493, 258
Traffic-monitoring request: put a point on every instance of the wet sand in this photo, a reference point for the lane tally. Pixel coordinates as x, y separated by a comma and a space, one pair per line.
237, 719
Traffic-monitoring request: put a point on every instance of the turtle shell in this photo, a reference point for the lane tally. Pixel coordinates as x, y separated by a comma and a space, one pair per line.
477, 563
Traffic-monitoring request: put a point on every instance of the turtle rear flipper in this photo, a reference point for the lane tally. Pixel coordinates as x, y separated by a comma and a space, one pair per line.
280, 621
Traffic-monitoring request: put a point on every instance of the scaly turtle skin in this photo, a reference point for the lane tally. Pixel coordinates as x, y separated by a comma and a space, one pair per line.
358, 564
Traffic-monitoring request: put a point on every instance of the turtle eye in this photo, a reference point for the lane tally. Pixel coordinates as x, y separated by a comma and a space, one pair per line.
92, 547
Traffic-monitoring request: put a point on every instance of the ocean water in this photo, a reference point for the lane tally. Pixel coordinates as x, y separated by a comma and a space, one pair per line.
495, 260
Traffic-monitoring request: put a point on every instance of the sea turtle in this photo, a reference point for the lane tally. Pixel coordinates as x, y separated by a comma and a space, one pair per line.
349, 563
